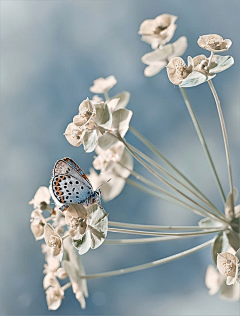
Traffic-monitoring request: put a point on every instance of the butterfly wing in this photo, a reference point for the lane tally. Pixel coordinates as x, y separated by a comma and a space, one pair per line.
68, 166
68, 189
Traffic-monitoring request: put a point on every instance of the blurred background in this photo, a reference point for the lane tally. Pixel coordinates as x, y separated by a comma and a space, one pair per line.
51, 51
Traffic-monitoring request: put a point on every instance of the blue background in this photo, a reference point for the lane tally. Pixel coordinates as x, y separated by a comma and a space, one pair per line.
51, 52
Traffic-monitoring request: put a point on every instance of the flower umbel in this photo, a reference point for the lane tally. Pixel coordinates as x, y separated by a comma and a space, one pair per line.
101, 124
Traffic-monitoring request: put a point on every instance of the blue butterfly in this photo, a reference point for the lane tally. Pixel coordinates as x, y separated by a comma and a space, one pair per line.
69, 184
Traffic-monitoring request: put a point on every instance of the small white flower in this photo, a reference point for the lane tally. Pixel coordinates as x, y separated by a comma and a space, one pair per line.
160, 57
103, 85
42, 196
54, 242
93, 121
217, 282
158, 31
214, 43
227, 264
37, 225
54, 296
88, 226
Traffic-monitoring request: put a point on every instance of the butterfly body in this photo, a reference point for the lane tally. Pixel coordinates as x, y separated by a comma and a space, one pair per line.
69, 185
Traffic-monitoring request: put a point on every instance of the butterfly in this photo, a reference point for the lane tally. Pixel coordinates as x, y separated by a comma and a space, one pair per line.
69, 184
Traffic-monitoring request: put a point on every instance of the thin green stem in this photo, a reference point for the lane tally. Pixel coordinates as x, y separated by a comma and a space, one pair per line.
140, 232
150, 264
203, 142
152, 162
210, 214
225, 139
172, 199
157, 152
157, 227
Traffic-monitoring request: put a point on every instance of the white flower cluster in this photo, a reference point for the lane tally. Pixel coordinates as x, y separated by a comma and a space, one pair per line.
158, 32
98, 126
200, 68
86, 228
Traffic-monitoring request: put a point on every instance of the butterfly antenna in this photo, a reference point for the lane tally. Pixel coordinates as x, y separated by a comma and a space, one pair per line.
103, 183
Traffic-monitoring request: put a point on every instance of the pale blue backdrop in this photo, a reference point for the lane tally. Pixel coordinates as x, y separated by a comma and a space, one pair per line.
51, 51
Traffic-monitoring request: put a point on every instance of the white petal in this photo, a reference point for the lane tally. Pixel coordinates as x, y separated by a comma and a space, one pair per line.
154, 69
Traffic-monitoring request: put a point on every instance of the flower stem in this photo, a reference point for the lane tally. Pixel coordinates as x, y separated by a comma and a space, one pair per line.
49, 218
225, 139
210, 214
157, 227
147, 240
150, 264
155, 151
172, 198
140, 232
152, 162
202, 140
66, 286
65, 236
106, 95
210, 59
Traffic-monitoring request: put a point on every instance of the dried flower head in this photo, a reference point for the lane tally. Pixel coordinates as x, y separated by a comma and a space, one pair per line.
227, 265
216, 282
54, 241
73, 135
214, 43
200, 63
159, 58
54, 296
158, 31
37, 225
86, 113
198, 70
103, 85
88, 226
93, 120
178, 70
41, 198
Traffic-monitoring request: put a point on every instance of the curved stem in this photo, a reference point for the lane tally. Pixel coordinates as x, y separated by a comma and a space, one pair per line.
210, 214
225, 139
150, 264
140, 232
202, 140
167, 196
134, 241
210, 59
157, 227
66, 286
152, 162
171, 198
157, 152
